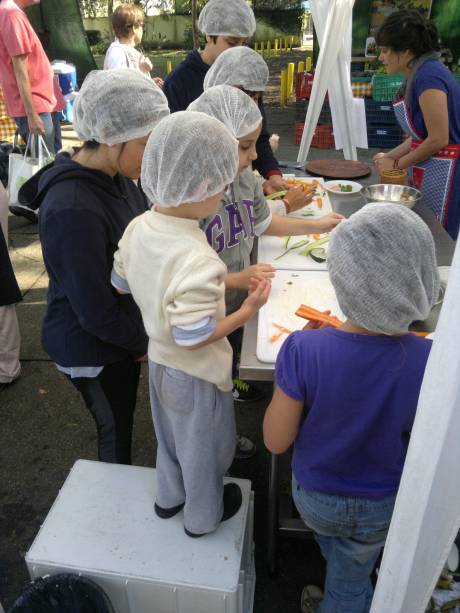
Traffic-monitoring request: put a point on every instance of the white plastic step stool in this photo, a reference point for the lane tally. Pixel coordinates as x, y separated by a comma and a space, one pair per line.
102, 525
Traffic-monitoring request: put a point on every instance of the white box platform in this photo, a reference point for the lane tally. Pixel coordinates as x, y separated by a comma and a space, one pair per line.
102, 525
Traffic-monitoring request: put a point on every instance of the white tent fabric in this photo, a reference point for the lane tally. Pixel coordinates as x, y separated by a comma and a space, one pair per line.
332, 19
427, 511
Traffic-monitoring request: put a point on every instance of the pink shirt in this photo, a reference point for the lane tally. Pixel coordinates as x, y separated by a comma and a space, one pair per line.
17, 37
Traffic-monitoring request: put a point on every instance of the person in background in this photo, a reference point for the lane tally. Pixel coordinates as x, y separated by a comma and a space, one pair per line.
226, 24
429, 112
177, 280
243, 213
10, 340
25, 73
128, 24
95, 336
347, 397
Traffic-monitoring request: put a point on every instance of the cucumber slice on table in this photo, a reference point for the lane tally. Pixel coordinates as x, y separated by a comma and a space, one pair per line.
318, 254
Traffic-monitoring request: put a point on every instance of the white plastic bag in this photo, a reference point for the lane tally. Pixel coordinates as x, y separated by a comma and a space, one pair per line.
22, 167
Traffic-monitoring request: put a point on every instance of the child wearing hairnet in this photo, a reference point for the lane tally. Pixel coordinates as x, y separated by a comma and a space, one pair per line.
177, 280
346, 397
243, 212
226, 24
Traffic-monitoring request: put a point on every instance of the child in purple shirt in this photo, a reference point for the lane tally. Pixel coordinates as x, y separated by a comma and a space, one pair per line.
347, 397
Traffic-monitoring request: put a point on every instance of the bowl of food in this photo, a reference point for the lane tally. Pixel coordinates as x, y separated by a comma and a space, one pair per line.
398, 194
341, 187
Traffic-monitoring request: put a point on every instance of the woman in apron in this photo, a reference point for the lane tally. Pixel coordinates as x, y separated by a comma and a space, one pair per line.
428, 111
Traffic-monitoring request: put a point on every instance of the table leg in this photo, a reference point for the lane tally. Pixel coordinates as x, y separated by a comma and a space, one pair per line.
272, 519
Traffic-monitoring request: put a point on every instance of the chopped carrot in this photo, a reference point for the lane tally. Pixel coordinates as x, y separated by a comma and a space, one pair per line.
312, 314
316, 237
319, 203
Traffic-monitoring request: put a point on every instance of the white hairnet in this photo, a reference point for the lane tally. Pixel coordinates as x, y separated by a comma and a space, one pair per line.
227, 18
382, 264
240, 67
188, 158
236, 110
116, 106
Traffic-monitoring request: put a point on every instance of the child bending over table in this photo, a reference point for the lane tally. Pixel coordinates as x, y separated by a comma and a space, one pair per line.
347, 397
177, 280
243, 212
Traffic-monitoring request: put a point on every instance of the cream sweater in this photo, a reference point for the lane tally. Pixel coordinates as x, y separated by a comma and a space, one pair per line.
177, 280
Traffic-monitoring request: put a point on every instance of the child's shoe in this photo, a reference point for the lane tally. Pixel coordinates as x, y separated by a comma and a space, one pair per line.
232, 504
168, 513
311, 598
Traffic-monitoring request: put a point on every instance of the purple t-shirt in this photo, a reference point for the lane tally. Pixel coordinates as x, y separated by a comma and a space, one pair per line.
360, 394
434, 75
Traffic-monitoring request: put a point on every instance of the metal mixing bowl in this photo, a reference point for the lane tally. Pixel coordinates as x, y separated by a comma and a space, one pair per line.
399, 194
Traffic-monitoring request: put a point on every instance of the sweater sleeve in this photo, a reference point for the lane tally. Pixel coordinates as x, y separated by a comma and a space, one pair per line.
266, 162
76, 251
176, 92
197, 292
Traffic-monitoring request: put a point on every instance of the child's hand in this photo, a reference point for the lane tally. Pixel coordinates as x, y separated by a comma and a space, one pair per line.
296, 198
259, 272
258, 295
328, 222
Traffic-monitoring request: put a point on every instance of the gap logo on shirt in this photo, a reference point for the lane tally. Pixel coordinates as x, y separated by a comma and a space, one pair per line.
231, 225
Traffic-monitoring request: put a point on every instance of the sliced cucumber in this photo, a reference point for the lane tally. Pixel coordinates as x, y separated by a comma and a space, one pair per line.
318, 254
276, 195
314, 245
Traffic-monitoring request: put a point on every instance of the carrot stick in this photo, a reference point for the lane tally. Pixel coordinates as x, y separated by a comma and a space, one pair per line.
312, 314
319, 203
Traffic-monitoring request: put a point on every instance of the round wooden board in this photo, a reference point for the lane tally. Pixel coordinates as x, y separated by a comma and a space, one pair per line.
338, 169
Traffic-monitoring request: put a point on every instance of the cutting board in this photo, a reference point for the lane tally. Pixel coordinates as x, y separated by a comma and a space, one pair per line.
270, 247
289, 290
338, 169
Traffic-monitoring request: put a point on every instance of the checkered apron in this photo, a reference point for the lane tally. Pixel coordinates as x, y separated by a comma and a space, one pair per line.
434, 177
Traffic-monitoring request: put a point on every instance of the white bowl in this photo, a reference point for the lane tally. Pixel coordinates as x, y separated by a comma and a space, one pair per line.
334, 187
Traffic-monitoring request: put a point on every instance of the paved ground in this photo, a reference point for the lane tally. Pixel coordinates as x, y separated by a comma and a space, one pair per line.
45, 429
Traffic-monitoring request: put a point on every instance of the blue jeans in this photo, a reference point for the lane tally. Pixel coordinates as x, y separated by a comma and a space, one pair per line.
52, 136
351, 533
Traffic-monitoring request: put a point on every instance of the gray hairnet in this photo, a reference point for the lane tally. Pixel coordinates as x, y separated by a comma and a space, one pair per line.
227, 18
231, 106
188, 158
116, 106
240, 67
382, 264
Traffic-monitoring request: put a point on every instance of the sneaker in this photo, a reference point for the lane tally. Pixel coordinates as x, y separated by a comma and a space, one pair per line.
168, 513
233, 499
311, 598
246, 392
21, 210
245, 448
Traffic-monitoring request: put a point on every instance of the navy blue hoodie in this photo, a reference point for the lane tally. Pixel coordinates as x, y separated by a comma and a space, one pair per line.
83, 214
185, 84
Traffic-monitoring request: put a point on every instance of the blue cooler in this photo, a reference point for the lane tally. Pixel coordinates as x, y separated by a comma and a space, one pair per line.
67, 75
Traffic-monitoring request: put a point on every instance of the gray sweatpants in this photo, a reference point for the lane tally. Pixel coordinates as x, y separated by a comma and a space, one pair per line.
195, 428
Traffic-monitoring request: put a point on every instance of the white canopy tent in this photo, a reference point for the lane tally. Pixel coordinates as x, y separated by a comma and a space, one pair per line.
427, 511
332, 19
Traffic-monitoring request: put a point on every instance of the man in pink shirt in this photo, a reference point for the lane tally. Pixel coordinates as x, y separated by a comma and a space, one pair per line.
26, 76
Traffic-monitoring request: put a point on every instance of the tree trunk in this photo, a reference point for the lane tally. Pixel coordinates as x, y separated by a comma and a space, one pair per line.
194, 28
109, 15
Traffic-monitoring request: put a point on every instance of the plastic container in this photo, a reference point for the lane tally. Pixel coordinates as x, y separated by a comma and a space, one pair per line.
323, 137
298, 131
384, 137
386, 87
67, 75
394, 177
102, 525
378, 113
304, 84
